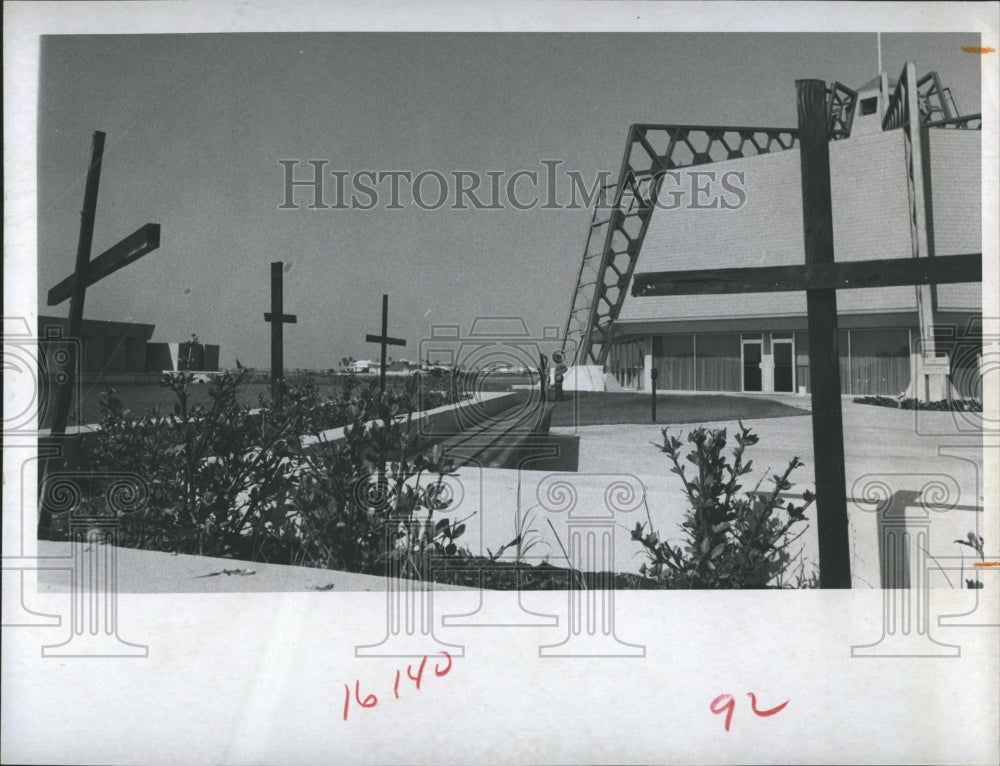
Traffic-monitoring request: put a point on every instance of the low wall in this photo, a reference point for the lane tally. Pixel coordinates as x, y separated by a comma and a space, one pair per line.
444, 420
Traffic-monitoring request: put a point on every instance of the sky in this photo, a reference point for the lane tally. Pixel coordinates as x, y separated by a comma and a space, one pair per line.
197, 125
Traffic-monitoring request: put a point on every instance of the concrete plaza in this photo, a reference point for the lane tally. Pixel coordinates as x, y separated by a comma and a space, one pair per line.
924, 463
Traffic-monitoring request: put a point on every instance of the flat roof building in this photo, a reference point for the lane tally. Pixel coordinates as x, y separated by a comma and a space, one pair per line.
695, 197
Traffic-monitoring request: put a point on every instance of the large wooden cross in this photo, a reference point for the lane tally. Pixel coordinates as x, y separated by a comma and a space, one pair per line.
278, 319
820, 277
87, 272
384, 340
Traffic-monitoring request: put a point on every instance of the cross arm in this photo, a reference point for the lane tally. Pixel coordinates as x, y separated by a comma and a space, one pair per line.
383, 339
890, 272
132, 248
284, 318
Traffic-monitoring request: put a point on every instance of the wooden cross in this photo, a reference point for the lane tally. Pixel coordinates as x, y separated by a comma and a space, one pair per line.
278, 319
87, 272
820, 277
384, 340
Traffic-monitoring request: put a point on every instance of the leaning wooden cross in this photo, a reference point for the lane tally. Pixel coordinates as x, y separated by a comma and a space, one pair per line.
820, 277
384, 340
88, 272
278, 319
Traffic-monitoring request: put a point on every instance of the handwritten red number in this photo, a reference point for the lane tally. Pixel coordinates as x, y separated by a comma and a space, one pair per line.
765, 713
420, 673
369, 701
724, 703
444, 672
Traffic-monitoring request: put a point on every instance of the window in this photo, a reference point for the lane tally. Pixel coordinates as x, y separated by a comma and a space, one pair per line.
869, 105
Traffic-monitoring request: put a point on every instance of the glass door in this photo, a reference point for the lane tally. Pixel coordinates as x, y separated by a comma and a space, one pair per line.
752, 355
784, 365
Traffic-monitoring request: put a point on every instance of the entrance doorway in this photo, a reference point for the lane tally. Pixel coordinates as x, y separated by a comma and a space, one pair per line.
753, 349
784, 364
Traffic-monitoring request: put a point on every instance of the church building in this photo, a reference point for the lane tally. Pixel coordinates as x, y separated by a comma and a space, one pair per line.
905, 171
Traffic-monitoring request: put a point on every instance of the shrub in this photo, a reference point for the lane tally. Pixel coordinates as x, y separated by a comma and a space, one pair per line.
212, 471
729, 541
227, 481
363, 505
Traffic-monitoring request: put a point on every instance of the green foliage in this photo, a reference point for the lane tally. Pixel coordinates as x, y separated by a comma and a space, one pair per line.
730, 540
363, 503
212, 471
225, 480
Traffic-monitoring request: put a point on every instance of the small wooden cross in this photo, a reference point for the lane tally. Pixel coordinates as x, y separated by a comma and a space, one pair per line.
87, 272
278, 319
384, 340
820, 277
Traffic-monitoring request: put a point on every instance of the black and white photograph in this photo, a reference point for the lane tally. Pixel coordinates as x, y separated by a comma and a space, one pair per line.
540, 383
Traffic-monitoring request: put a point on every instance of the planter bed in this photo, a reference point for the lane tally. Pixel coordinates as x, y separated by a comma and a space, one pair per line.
942, 405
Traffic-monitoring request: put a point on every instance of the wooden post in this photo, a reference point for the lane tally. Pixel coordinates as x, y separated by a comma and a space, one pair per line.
824, 361
543, 377
278, 319
384, 340
385, 330
79, 291
652, 377
277, 331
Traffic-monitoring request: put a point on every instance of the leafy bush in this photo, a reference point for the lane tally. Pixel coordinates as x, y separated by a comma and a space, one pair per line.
730, 541
213, 472
225, 480
362, 503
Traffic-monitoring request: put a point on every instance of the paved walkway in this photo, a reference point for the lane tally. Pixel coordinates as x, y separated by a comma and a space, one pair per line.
885, 450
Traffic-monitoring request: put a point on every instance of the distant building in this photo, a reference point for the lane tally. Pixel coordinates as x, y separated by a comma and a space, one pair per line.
174, 357
106, 347
364, 366
123, 348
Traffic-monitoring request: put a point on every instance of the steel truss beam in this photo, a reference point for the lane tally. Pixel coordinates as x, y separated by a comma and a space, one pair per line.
623, 211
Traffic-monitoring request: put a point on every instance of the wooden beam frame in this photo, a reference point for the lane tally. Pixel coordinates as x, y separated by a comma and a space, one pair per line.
137, 244
891, 272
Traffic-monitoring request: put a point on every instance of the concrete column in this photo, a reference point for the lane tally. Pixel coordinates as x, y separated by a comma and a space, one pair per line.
767, 365
647, 380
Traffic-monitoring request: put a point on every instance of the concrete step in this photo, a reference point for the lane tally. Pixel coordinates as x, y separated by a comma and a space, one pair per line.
517, 433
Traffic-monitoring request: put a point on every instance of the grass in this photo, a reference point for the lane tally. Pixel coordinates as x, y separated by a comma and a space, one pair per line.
597, 409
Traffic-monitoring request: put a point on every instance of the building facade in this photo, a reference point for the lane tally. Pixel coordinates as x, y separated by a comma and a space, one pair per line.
735, 200
105, 347
110, 349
